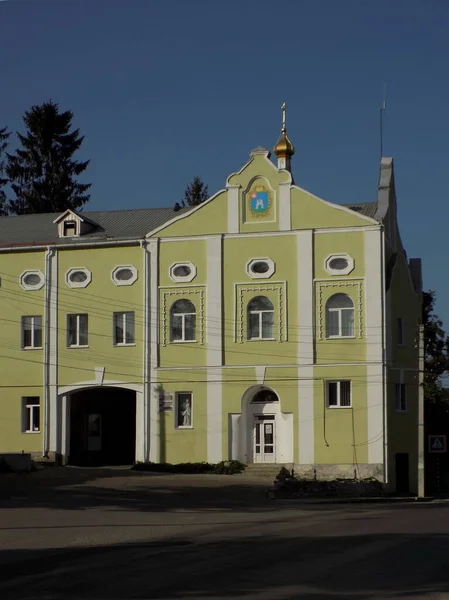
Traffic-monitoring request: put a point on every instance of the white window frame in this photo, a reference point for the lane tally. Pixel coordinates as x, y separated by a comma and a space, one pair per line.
29, 407
185, 279
400, 332
33, 330
338, 382
71, 222
183, 325
78, 284
400, 398
271, 268
37, 286
124, 316
345, 271
130, 281
77, 332
177, 395
340, 320
260, 313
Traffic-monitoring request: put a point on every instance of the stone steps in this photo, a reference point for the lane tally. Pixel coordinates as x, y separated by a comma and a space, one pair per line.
270, 470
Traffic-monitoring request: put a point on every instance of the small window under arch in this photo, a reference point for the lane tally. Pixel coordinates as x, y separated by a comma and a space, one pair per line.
183, 321
260, 319
339, 316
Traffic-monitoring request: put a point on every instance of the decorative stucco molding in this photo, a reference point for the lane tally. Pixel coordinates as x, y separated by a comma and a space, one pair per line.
280, 309
341, 286
165, 310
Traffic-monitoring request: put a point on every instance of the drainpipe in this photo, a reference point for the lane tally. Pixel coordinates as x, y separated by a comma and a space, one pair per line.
384, 355
48, 285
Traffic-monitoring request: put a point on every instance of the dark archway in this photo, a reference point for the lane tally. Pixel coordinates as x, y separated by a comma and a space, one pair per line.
102, 427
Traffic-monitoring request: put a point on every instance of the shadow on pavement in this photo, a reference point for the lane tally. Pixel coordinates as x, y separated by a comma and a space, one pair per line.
362, 567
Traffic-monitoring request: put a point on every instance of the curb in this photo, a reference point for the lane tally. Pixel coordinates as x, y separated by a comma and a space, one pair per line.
377, 500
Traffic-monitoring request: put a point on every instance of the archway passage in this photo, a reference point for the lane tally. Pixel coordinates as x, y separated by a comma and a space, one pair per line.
102, 427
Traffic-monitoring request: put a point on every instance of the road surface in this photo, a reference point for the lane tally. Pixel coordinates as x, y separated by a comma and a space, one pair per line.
80, 533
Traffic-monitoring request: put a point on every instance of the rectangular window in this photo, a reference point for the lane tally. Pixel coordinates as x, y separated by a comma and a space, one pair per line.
31, 412
69, 229
32, 332
338, 394
400, 397
183, 410
76, 331
124, 328
400, 332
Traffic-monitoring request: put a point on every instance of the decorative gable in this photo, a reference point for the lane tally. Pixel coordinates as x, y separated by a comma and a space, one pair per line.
73, 224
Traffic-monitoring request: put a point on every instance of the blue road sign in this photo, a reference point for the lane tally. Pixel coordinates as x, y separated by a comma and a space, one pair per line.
437, 443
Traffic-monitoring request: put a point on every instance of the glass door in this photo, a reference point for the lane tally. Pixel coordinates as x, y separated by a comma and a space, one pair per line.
264, 439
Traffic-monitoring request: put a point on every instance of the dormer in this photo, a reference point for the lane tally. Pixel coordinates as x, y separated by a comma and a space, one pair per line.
73, 224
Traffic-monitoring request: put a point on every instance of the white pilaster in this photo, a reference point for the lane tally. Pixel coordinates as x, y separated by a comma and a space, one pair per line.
374, 347
306, 320
214, 338
285, 220
233, 208
55, 409
214, 415
153, 314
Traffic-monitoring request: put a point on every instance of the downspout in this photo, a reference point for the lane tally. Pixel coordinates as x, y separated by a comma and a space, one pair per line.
48, 285
146, 341
384, 355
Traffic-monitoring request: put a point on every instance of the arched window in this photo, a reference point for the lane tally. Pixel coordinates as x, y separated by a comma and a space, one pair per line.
339, 316
260, 319
182, 321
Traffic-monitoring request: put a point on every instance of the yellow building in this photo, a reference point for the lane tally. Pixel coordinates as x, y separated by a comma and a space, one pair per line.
265, 325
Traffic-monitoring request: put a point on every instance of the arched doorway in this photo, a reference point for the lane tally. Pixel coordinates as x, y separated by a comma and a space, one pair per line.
102, 426
261, 432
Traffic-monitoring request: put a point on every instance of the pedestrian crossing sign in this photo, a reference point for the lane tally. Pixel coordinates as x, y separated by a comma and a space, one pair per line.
437, 443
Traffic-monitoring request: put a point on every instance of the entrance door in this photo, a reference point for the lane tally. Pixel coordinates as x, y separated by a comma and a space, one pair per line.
93, 432
402, 478
264, 450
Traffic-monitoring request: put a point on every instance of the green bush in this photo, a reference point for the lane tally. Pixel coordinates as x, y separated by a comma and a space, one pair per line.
230, 467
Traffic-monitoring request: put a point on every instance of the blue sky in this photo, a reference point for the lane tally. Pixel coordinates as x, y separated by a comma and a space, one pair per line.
167, 90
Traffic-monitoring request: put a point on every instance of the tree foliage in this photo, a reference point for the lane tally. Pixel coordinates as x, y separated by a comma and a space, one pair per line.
194, 194
4, 135
42, 173
436, 351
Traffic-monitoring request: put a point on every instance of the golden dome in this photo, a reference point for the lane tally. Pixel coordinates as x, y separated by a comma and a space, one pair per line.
284, 146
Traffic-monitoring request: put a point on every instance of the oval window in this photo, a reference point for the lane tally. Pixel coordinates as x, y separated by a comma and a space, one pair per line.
124, 275
182, 271
32, 279
78, 277
260, 267
339, 263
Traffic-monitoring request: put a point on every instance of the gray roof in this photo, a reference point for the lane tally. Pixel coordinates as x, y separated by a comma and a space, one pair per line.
112, 224
368, 209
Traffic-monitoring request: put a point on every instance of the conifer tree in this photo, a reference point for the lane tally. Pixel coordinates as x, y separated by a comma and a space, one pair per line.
43, 173
4, 135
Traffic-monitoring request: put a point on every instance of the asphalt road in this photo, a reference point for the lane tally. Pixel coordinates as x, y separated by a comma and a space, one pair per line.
79, 533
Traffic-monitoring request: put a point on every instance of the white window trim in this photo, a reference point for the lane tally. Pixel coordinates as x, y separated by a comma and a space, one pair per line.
186, 278
260, 338
181, 427
78, 284
397, 399
338, 405
183, 328
30, 407
340, 327
346, 271
33, 332
77, 345
267, 275
38, 286
118, 268
124, 323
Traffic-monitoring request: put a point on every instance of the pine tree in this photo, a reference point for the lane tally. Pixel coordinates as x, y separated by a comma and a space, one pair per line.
4, 135
42, 173
195, 193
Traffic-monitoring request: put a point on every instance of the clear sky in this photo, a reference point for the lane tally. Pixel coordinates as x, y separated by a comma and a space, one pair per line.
167, 90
